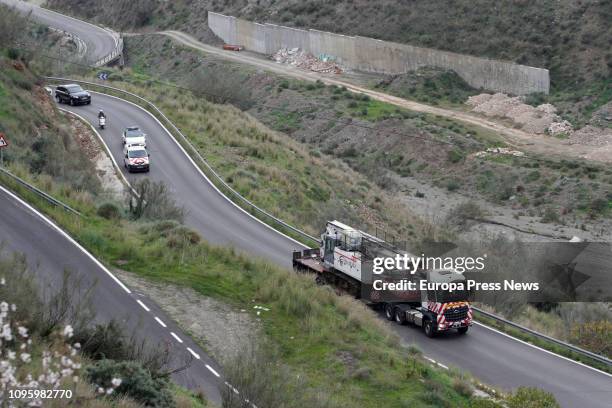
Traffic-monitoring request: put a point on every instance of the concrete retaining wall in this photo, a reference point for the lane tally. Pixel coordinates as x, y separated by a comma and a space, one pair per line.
370, 55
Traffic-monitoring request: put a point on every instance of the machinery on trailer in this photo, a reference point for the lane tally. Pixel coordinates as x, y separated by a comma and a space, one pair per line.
345, 260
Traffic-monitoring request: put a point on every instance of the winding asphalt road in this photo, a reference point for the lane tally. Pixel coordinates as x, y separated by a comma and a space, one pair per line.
491, 356
99, 42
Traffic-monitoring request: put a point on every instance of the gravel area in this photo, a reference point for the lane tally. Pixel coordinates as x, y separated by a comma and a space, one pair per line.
437, 203
105, 169
221, 330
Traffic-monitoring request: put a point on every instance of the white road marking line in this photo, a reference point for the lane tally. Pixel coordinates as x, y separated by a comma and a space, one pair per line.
193, 353
176, 337
232, 388
431, 360
68, 237
160, 321
212, 370
544, 350
143, 305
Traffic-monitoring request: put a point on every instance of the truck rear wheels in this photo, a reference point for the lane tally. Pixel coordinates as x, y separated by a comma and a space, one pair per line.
462, 330
428, 328
400, 316
389, 311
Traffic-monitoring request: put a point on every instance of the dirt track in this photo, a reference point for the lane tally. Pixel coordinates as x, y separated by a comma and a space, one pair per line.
539, 144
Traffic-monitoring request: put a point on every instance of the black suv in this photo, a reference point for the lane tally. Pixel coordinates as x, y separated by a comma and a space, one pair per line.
72, 94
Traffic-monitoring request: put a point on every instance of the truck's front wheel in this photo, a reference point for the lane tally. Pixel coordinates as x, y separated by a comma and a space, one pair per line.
389, 311
462, 330
428, 328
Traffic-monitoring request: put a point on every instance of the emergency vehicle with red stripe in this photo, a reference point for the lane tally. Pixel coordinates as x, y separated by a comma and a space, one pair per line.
345, 261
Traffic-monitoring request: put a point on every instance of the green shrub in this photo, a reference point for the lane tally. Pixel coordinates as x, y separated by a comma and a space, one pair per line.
455, 156
462, 387
464, 212
550, 215
599, 205
182, 236
533, 176
535, 98
528, 397
452, 185
594, 336
109, 211
136, 382
13, 53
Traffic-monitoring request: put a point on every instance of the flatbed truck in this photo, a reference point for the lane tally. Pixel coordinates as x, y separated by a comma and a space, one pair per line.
345, 259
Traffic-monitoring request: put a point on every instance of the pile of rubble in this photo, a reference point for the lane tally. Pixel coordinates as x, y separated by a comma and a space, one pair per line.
591, 136
540, 119
302, 59
499, 150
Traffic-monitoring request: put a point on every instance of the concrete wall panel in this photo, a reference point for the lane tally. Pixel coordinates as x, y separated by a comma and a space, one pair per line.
370, 55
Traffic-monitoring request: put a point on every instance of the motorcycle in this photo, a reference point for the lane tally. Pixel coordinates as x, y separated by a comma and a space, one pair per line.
102, 122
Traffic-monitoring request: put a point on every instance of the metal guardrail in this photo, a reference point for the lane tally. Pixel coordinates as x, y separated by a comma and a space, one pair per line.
499, 319
117, 52
197, 154
578, 350
41, 193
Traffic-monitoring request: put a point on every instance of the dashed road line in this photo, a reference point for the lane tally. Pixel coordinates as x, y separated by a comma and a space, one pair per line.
143, 305
212, 370
160, 321
177, 338
193, 353
232, 388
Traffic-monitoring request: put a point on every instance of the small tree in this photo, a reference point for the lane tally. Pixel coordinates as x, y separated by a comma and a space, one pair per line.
152, 201
217, 85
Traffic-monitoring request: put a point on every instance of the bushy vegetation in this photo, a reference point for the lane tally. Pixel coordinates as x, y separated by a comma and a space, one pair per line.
137, 382
583, 324
38, 137
429, 85
54, 326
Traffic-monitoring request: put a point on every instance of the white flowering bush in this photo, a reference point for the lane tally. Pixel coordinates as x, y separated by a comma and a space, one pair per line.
19, 372
29, 364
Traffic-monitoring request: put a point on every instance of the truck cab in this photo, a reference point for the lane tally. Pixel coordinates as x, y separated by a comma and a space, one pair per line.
440, 310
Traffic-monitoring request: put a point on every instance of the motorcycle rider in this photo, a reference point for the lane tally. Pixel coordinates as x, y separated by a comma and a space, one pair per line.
101, 119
